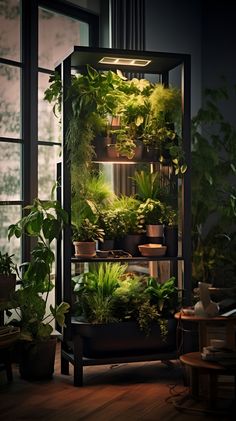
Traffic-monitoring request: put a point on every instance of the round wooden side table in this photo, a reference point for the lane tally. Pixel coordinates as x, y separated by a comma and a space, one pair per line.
199, 366
205, 322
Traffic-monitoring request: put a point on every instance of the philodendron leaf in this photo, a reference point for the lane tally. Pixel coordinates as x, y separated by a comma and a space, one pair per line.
59, 312
51, 228
34, 223
44, 330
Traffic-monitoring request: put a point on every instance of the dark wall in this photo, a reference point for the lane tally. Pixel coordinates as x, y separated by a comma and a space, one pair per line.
176, 26
219, 47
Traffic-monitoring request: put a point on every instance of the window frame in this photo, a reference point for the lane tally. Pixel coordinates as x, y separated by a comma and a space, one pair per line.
28, 65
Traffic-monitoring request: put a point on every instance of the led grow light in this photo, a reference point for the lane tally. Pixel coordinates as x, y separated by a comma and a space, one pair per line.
125, 61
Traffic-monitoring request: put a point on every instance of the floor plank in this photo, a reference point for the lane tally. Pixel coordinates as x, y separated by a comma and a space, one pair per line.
133, 392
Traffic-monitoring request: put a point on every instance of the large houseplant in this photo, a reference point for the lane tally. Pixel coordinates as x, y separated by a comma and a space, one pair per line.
213, 191
44, 222
120, 312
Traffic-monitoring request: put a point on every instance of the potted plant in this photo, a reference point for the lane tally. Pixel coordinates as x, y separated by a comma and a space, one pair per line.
131, 224
84, 238
153, 214
112, 223
44, 222
118, 313
171, 230
7, 276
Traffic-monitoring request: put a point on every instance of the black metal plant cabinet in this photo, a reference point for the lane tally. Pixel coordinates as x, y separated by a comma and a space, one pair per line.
160, 65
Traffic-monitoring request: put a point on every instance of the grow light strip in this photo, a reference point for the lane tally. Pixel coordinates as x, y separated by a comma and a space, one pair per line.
125, 61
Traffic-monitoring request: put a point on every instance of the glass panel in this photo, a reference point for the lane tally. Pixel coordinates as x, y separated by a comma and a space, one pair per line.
48, 158
10, 29
9, 101
10, 175
57, 34
48, 125
9, 214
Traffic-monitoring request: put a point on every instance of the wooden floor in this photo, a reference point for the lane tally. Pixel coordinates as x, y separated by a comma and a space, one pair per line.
137, 391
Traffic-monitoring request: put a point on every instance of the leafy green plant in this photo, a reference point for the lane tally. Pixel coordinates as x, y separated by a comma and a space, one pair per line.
149, 185
213, 191
152, 211
95, 290
7, 265
44, 221
112, 222
107, 293
131, 221
87, 231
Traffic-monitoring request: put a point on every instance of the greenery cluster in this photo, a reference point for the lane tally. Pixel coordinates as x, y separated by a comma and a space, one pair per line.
107, 293
43, 221
147, 112
153, 211
213, 192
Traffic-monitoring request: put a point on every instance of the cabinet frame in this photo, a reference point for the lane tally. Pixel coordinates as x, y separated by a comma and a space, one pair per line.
161, 64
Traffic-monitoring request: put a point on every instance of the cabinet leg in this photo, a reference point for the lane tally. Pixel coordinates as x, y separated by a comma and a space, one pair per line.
64, 366
78, 361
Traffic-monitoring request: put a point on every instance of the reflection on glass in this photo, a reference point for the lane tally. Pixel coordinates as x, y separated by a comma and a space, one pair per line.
48, 124
10, 29
10, 176
10, 101
48, 158
57, 34
9, 214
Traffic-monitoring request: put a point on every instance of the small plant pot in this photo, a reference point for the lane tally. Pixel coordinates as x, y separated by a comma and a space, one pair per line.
107, 245
85, 249
171, 240
155, 230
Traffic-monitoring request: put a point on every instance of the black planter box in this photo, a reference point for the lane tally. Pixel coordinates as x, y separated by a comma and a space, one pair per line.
124, 339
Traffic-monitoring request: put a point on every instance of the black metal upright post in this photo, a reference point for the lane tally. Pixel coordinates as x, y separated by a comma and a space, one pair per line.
186, 198
66, 194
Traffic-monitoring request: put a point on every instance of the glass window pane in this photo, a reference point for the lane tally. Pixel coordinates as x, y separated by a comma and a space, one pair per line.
48, 158
57, 34
48, 125
9, 214
9, 101
10, 175
10, 29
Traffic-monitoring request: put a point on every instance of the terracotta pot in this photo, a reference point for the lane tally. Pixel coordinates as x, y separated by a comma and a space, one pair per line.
85, 248
7, 286
155, 230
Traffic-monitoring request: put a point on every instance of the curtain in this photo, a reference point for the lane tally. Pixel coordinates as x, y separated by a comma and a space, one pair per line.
128, 24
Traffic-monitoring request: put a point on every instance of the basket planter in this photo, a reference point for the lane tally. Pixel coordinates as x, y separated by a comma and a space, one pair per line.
37, 359
124, 339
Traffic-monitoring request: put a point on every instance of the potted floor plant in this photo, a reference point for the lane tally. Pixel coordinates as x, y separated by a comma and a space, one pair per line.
44, 222
7, 276
118, 312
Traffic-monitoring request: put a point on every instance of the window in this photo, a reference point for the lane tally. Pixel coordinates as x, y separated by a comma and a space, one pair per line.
33, 37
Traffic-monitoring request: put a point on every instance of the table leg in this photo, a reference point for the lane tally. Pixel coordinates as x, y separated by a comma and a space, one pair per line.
212, 389
194, 382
